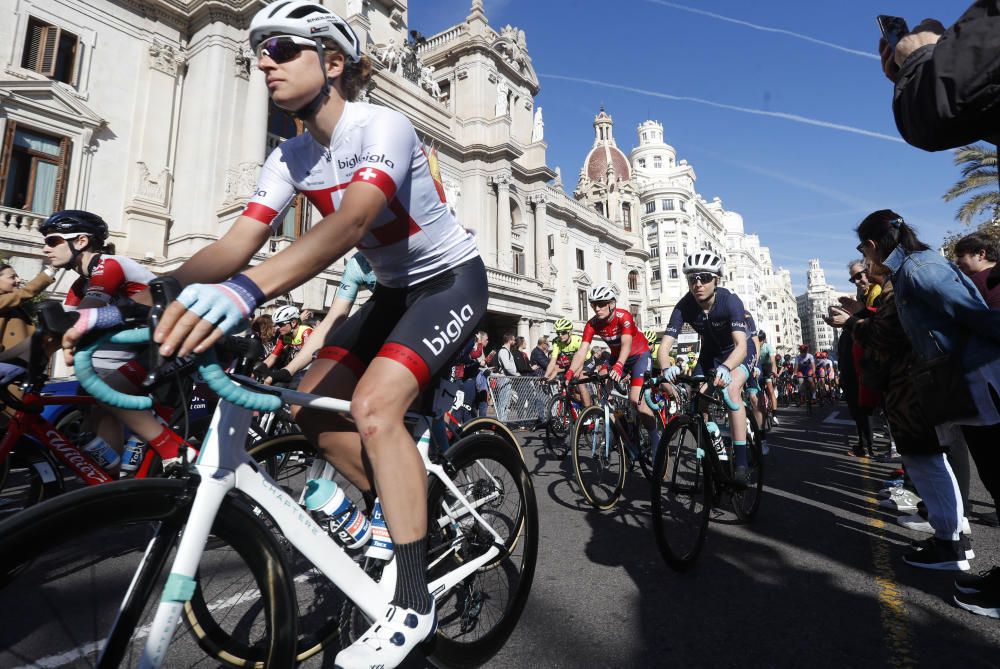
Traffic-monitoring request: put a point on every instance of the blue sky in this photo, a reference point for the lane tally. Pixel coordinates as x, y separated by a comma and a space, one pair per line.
781, 107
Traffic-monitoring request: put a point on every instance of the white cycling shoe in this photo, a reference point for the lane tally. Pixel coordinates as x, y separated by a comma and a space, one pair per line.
387, 643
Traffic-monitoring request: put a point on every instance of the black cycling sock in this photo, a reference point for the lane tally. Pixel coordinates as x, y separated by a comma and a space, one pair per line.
411, 577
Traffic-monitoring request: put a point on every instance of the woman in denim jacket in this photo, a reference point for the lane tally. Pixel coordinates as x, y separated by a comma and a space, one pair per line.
942, 312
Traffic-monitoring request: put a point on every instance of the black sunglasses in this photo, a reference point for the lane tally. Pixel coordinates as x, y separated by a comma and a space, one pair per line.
861, 247
596, 305
702, 278
283, 48
857, 277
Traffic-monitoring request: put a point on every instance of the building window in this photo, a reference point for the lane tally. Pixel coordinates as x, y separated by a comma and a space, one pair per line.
552, 245
667, 205
281, 126
654, 251
633, 280
673, 272
655, 275
609, 271
50, 50
657, 162
582, 305
34, 169
627, 217
650, 207
519, 262
671, 250
579, 259
641, 162
599, 206
656, 319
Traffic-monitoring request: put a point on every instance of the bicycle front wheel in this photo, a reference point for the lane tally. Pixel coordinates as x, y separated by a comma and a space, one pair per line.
746, 502
91, 563
681, 492
598, 458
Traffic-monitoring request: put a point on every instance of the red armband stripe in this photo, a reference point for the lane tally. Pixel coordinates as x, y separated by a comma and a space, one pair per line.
260, 212
370, 175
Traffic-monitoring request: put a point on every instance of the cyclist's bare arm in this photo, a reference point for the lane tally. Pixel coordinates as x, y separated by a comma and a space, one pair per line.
309, 255
552, 369
579, 358
222, 259
663, 355
339, 310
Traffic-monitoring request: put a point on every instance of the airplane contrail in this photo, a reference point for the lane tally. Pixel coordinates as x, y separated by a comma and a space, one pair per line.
767, 29
746, 110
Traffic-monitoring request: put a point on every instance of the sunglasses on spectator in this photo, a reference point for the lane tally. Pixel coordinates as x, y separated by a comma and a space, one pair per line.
857, 277
283, 48
53, 241
861, 247
702, 278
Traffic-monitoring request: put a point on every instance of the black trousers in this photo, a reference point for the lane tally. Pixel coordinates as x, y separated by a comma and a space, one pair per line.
863, 421
984, 447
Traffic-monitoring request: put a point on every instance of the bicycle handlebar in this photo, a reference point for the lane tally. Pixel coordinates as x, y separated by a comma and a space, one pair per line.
698, 380
208, 367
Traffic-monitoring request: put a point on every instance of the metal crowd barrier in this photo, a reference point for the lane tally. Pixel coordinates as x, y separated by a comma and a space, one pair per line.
519, 399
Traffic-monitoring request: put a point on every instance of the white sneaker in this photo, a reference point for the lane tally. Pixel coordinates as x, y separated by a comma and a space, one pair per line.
916, 523
774, 420
387, 643
901, 500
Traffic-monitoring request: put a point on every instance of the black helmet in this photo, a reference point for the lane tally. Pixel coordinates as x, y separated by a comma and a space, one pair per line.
75, 220
761, 335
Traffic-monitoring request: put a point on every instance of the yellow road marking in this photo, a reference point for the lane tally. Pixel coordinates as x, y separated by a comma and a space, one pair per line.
895, 620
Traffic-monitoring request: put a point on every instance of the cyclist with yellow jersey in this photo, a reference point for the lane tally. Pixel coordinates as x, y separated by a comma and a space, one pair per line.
564, 347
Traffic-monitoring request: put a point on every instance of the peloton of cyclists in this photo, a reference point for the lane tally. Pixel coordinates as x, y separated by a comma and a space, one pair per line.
804, 370
718, 316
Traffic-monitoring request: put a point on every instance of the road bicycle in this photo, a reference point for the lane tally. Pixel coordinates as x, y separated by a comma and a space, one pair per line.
689, 478
226, 523
608, 440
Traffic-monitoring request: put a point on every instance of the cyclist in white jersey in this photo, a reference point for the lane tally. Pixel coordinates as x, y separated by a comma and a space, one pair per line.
365, 170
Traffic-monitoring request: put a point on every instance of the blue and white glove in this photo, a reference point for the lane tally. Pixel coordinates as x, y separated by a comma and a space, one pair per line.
225, 304
671, 373
722, 373
100, 318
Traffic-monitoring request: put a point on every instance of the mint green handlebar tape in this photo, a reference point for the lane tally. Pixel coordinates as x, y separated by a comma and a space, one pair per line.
92, 382
729, 403
231, 391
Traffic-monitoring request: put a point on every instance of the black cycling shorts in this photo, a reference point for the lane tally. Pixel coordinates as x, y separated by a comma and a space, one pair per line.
421, 327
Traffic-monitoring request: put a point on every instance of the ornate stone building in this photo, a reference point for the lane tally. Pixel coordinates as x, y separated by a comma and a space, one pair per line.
812, 306
154, 114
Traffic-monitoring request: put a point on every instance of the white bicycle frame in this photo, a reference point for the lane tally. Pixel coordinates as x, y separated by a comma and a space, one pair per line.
224, 466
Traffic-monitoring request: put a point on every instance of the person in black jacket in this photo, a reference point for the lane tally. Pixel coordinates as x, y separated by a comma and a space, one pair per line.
947, 94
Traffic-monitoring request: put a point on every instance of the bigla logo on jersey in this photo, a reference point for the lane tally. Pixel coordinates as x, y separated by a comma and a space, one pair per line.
452, 329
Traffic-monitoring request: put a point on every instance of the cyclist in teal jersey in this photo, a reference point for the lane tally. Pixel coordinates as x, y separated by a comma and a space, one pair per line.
358, 274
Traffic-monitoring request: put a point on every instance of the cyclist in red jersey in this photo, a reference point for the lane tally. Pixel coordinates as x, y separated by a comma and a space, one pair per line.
364, 169
76, 239
629, 349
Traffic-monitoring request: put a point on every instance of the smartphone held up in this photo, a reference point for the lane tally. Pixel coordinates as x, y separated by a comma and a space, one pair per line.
893, 28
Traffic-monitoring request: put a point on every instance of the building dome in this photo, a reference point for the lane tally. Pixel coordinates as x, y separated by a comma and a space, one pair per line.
606, 157
600, 157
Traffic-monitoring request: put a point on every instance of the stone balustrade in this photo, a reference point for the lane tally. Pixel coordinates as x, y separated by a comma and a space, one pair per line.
441, 38
14, 221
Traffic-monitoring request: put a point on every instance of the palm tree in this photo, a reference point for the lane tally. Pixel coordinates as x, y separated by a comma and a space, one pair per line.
979, 178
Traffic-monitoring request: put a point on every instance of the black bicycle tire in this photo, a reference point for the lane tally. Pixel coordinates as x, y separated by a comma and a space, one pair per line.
490, 425
755, 460
618, 447
24, 537
646, 457
677, 560
552, 434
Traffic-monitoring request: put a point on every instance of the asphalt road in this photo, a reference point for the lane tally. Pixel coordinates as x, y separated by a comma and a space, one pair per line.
816, 581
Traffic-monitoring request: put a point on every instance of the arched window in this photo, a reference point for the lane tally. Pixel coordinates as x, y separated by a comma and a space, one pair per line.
633, 280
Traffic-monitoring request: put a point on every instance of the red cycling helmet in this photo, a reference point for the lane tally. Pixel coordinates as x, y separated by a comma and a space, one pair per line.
803, 348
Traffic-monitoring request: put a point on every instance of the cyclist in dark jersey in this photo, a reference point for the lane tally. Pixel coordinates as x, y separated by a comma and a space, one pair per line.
719, 317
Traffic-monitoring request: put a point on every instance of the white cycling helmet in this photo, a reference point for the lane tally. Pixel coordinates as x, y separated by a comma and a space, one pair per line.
286, 314
703, 261
310, 20
602, 293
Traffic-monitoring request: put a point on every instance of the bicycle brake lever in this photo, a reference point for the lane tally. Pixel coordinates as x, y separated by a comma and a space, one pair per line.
164, 290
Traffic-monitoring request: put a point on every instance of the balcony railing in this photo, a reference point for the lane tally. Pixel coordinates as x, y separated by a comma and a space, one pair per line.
19, 223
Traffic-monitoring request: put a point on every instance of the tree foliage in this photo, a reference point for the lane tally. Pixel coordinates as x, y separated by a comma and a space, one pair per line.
978, 186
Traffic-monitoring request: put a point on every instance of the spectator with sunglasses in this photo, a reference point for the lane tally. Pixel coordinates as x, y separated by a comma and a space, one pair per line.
364, 169
718, 315
860, 401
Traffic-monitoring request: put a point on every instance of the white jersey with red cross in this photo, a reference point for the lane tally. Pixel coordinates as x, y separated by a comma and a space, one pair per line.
415, 237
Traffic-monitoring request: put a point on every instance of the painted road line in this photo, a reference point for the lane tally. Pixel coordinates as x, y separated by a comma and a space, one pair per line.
892, 606
832, 419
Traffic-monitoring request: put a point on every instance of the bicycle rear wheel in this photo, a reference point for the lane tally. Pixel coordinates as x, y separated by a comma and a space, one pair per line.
746, 502
558, 422
681, 492
599, 462
91, 562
